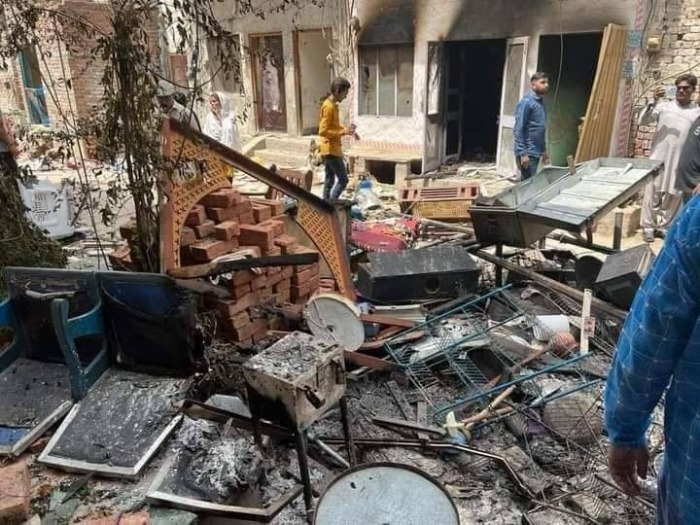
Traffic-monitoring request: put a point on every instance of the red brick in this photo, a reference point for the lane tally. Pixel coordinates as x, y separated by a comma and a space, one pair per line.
238, 321
205, 229
275, 278
221, 214
232, 307
277, 226
242, 277
276, 207
242, 207
241, 291
265, 294
187, 236
300, 278
15, 493
138, 518
226, 230
299, 292
257, 235
275, 251
288, 271
261, 213
196, 216
281, 218
259, 282
314, 283
223, 198
246, 218
254, 251
272, 270
282, 285
241, 334
208, 249
284, 296
286, 243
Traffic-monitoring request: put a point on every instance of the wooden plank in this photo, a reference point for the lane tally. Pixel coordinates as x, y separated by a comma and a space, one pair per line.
401, 400
596, 134
422, 419
210, 269
387, 320
364, 360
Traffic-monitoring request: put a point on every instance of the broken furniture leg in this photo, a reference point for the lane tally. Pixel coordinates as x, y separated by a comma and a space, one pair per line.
349, 444
303, 459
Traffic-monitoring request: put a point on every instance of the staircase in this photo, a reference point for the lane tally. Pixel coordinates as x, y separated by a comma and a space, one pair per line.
284, 152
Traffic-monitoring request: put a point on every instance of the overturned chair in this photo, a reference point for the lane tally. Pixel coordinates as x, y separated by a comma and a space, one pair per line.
57, 350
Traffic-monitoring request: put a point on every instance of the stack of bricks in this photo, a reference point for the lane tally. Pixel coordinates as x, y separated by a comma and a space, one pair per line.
122, 257
226, 222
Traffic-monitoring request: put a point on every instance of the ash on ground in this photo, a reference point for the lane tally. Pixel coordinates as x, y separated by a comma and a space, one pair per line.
229, 469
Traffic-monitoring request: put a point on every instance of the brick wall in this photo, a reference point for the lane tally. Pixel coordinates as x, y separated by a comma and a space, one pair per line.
72, 78
677, 24
12, 101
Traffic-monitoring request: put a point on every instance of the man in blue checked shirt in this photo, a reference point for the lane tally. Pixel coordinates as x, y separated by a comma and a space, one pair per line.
660, 346
530, 127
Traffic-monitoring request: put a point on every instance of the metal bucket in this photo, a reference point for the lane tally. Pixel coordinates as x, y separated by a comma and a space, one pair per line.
385, 494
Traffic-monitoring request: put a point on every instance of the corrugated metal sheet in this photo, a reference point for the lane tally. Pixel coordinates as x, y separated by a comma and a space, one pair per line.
574, 202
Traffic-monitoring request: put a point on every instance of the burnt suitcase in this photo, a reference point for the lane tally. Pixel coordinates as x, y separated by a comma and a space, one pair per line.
622, 274
441, 272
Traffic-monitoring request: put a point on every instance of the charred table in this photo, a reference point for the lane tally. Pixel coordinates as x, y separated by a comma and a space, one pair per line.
293, 383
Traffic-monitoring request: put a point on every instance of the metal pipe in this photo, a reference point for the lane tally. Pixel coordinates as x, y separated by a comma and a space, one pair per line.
601, 306
349, 443
303, 458
340, 460
504, 386
447, 447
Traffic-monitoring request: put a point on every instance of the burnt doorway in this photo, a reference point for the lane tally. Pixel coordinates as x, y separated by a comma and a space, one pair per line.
570, 61
473, 84
268, 76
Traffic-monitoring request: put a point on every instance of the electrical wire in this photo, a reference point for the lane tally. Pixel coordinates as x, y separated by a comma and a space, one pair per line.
559, 73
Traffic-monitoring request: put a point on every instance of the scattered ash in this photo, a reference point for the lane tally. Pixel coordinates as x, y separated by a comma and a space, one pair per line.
220, 372
228, 469
290, 357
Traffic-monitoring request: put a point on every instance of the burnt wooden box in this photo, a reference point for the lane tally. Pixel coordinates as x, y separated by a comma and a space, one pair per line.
296, 380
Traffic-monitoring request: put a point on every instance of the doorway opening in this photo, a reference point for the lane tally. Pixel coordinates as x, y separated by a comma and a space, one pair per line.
268, 77
474, 82
33, 86
571, 88
313, 75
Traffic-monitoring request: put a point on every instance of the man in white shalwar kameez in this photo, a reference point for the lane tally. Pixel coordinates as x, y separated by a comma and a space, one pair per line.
673, 120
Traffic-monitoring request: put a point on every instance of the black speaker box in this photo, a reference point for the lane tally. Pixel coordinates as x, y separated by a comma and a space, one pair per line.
622, 274
442, 272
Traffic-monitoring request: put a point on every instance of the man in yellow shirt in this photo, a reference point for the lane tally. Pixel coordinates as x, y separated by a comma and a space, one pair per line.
331, 132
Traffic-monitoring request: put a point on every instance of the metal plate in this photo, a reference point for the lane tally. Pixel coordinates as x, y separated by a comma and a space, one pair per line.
33, 396
385, 494
335, 318
594, 191
118, 427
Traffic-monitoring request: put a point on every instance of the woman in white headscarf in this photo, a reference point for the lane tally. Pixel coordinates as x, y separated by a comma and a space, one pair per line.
220, 123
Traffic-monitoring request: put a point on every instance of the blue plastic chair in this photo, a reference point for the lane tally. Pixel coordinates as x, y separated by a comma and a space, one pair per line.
56, 316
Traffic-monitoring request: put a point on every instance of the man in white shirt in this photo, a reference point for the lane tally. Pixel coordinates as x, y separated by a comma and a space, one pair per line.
673, 120
169, 106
